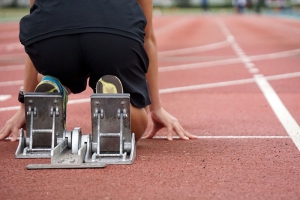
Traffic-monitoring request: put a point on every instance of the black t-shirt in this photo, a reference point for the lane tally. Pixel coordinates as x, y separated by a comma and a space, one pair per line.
49, 18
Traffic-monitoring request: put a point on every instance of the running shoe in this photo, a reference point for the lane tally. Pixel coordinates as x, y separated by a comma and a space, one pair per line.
109, 84
51, 84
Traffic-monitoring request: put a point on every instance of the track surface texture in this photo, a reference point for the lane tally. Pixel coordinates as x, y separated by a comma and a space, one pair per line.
233, 80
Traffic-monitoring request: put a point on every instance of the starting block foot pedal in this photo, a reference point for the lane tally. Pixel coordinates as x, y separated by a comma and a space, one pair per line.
112, 140
44, 125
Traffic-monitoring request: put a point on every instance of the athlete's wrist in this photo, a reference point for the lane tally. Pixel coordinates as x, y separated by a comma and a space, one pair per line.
21, 96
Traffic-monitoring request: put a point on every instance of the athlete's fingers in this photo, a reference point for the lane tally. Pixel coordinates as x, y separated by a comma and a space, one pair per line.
187, 134
151, 134
180, 132
5, 132
14, 134
170, 133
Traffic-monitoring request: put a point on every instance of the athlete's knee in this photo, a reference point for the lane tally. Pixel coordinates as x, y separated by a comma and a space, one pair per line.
139, 121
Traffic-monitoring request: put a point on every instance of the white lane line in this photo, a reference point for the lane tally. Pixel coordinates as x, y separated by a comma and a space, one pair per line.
5, 97
186, 88
11, 108
12, 56
283, 115
283, 76
201, 86
70, 102
226, 83
276, 55
253, 70
205, 86
196, 49
231, 61
11, 46
285, 118
11, 67
197, 65
228, 137
170, 27
11, 83
78, 101
213, 137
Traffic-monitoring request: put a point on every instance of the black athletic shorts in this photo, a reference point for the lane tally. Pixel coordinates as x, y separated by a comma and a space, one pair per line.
74, 59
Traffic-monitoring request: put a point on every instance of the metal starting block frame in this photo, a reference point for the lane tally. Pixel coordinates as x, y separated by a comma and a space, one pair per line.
44, 125
111, 141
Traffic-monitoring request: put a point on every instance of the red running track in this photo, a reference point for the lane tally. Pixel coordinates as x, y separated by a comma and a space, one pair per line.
233, 80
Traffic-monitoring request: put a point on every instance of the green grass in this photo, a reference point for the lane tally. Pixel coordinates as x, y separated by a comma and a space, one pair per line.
12, 14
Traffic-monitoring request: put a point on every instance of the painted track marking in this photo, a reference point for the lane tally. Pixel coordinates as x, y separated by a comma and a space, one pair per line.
260, 80
229, 61
282, 114
214, 137
269, 56
11, 67
187, 88
285, 118
196, 49
5, 97
229, 137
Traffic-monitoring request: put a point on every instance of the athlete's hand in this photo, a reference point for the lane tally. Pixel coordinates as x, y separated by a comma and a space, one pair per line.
162, 119
13, 125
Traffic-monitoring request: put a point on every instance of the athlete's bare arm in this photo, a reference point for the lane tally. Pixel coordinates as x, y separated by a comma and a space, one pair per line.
160, 118
13, 125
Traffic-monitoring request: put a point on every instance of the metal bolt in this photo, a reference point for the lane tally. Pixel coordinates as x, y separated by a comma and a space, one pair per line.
30, 101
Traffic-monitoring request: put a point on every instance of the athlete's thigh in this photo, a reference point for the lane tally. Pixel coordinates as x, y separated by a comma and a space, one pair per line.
120, 56
60, 57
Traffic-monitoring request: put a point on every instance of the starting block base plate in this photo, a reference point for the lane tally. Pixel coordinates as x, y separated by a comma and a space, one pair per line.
50, 166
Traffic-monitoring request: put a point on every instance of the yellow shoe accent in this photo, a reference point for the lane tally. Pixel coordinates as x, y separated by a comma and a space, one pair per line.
108, 87
109, 84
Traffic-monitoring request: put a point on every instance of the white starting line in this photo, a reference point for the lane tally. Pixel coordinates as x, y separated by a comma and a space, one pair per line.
212, 137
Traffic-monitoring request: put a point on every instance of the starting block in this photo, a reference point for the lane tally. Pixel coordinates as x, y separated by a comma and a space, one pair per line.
111, 141
44, 125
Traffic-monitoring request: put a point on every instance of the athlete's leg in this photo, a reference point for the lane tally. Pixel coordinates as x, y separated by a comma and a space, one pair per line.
139, 121
60, 57
126, 59
138, 116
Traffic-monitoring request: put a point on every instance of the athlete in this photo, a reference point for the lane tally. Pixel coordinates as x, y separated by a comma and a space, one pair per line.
105, 43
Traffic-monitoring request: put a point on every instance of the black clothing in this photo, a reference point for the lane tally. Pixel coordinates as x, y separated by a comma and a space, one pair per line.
77, 40
75, 58
50, 18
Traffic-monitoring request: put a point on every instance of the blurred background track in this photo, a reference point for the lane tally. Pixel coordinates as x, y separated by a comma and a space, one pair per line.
231, 79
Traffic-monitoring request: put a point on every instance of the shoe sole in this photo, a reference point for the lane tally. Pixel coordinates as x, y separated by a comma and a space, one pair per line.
109, 84
46, 86
49, 86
